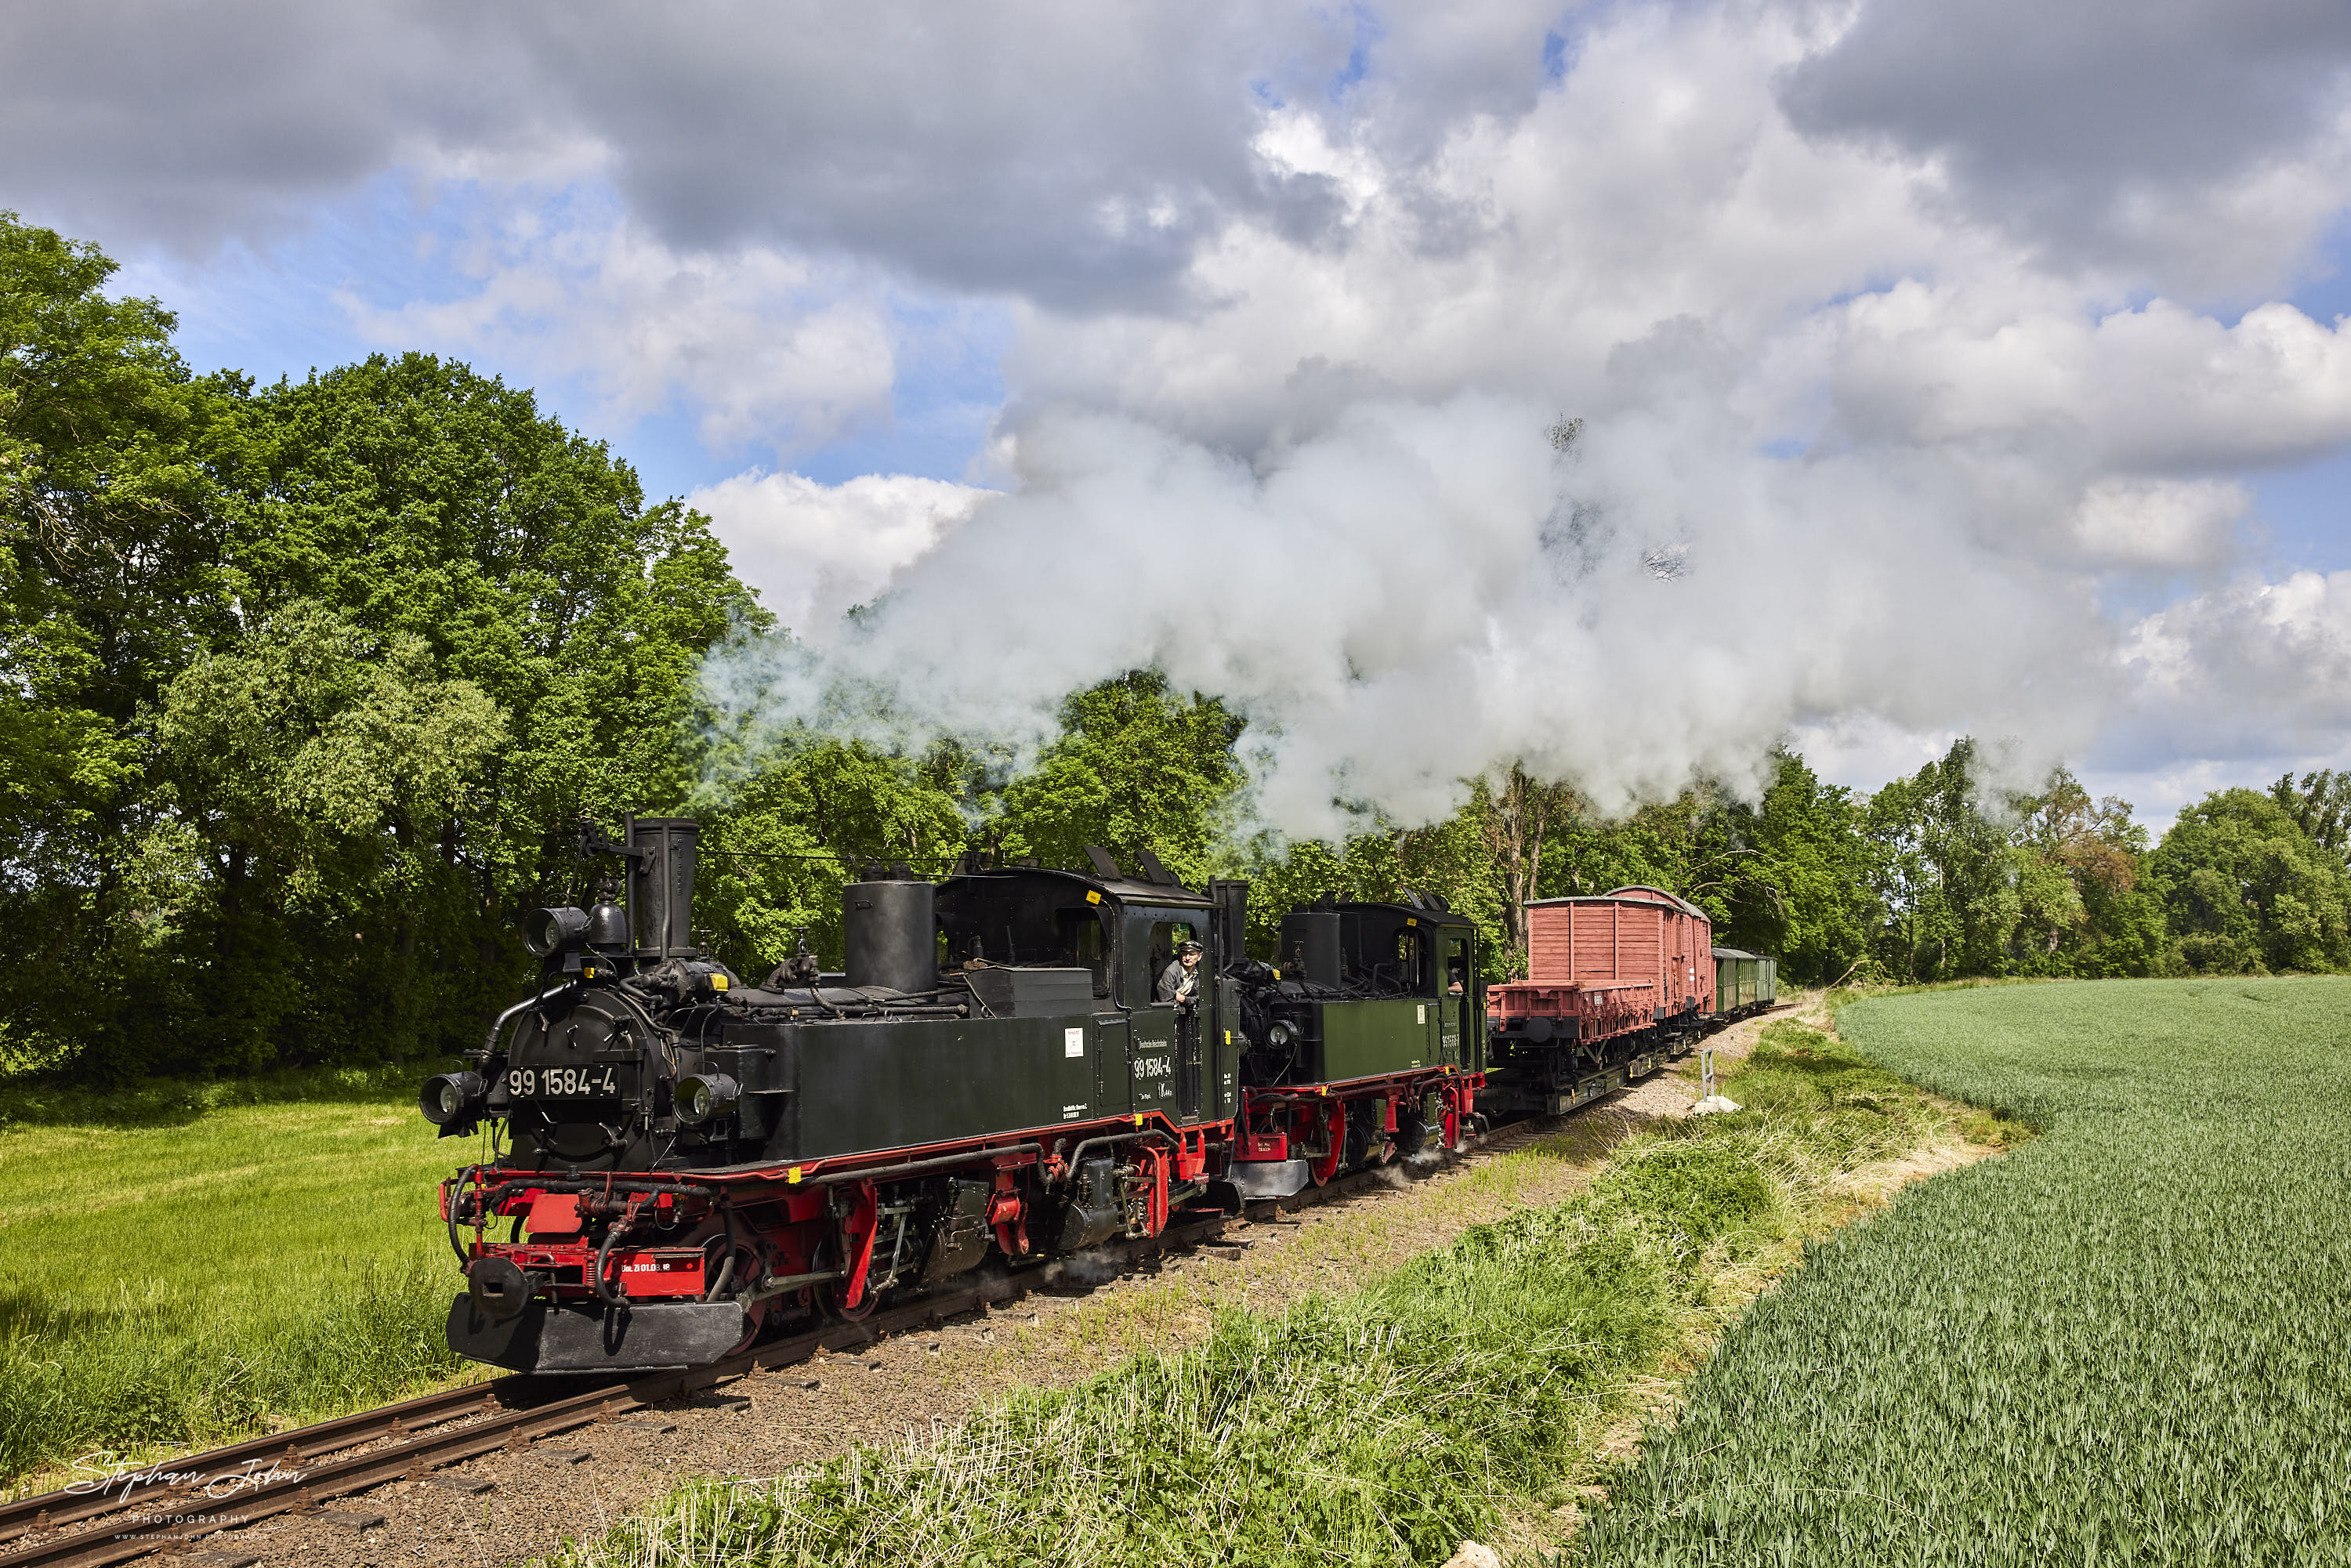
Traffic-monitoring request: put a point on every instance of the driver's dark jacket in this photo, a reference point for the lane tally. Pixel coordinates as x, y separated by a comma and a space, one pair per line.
1175, 986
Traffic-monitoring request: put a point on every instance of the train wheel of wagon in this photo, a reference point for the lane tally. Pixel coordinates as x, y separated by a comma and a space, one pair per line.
1452, 1125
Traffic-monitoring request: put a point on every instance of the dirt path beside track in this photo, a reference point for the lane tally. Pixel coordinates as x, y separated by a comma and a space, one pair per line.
762, 1424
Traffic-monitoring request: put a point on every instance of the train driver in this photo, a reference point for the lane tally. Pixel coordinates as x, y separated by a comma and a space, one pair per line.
1180, 982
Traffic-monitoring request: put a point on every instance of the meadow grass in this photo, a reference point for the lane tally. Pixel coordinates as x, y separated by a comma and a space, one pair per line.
179, 1268
1458, 1393
2124, 1342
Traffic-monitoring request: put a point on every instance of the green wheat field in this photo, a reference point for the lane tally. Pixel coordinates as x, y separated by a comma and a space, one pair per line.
2129, 1341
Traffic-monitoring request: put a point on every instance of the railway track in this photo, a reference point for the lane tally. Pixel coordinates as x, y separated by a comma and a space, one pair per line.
190, 1508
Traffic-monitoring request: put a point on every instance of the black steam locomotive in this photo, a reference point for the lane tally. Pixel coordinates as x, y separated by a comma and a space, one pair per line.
1016, 1063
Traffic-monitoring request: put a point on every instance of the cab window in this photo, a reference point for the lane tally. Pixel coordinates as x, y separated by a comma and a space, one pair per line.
1406, 969
1168, 937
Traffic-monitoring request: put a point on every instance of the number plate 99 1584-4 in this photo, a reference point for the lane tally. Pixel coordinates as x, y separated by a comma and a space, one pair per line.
593, 1081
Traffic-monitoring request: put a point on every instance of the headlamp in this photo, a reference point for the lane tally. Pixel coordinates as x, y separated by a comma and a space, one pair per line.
547, 932
448, 1098
701, 1096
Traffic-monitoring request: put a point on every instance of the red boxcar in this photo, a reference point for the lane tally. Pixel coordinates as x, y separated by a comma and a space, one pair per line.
1615, 985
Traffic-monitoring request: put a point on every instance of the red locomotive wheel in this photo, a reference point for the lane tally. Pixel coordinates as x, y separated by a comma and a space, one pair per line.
1452, 1130
829, 1298
1334, 1137
755, 1318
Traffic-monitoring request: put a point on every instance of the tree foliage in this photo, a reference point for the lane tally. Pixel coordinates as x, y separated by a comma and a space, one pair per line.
2246, 891
305, 683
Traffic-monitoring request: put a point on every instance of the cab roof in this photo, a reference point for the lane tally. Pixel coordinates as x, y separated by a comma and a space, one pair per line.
1124, 888
1423, 910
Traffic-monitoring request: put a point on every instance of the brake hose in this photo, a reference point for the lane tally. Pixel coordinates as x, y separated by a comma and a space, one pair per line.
621, 1227
456, 1193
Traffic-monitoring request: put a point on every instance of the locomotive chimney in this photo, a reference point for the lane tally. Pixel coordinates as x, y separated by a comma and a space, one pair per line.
891, 923
660, 885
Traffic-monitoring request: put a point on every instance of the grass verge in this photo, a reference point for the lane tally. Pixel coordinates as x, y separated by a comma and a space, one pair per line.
1459, 1397
179, 1276
2125, 1344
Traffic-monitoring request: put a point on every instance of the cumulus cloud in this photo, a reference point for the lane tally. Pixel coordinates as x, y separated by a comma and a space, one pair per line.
2252, 669
1064, 151
2116, 133
815, 551
768, 346
148, 119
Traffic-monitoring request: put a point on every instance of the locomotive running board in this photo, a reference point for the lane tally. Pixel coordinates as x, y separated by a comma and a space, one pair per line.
668, 1336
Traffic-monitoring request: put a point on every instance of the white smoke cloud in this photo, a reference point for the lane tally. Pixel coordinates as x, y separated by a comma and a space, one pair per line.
815, 551
1854, 464
1426, 590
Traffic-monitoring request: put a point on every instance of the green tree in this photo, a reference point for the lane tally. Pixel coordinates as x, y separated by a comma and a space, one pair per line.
2247, 891
1943, 872
111, 453
306, 686
1452, 860
1136, 767
2080, 869
2320, 806
474, 550
1517, 818
316, 769
1803, 895
777, 854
